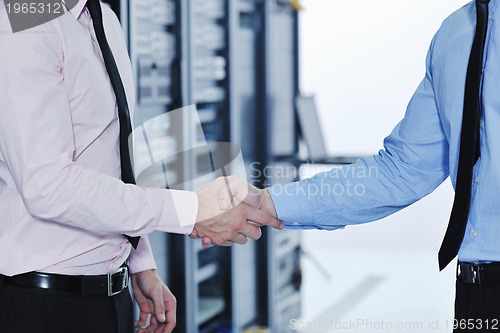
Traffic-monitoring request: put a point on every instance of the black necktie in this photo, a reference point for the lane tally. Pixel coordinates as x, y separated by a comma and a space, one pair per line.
469, 142
94, 7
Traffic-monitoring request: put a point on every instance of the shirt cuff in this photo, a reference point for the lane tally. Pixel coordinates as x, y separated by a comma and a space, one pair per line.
295, 205
142, 258
183, 208
292, 204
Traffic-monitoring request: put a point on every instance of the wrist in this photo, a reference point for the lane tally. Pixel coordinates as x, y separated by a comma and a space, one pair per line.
267, 203
144, 272
198, 214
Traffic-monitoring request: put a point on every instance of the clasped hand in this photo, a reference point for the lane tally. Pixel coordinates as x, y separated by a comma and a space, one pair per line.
231, 211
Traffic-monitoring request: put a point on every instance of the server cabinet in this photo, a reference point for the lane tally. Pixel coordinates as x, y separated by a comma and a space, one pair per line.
201, 278
246, 100
282, 249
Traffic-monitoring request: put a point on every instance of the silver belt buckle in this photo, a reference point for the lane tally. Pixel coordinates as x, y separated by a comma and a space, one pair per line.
470, 273
124, 281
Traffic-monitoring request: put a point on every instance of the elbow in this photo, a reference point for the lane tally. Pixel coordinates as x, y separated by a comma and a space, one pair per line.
47, 197
41, 207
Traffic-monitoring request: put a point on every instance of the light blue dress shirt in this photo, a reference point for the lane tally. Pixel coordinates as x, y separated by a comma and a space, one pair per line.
421, 152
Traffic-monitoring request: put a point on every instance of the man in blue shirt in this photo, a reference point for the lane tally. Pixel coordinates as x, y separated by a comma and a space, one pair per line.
419, 154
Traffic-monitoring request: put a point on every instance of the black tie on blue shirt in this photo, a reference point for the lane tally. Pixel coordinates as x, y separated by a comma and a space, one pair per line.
469, 142
94, 7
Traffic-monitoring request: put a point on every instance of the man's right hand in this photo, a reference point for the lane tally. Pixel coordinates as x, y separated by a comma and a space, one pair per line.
230, 211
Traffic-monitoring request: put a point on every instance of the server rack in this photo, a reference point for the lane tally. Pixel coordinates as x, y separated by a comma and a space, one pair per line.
282, 280
245, 33
201, 277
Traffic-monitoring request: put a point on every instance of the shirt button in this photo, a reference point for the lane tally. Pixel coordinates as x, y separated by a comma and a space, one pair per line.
476, 179
473, 233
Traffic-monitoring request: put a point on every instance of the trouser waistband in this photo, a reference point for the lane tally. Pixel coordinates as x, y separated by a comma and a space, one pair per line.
479, 273
107, 284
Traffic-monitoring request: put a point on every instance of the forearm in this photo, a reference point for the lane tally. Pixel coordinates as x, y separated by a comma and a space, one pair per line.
368, 190
84, 198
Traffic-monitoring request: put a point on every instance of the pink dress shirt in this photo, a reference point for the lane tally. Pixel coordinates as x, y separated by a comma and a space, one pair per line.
63, 208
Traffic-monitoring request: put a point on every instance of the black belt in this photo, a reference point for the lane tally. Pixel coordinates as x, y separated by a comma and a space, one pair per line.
109, 284
476, 273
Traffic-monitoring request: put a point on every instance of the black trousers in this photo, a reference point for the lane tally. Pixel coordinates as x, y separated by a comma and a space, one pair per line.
35, 311
477, 307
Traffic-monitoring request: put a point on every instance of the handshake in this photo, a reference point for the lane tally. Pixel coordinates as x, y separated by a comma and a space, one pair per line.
230, 211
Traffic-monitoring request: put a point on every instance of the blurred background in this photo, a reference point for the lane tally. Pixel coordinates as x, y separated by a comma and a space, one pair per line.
301, 86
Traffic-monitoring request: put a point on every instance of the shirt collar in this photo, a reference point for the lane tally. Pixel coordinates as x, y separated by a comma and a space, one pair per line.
77, 10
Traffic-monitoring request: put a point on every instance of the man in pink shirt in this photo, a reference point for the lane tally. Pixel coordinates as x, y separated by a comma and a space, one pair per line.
63, 208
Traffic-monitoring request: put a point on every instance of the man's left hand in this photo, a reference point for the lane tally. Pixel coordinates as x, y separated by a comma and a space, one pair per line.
155, 300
